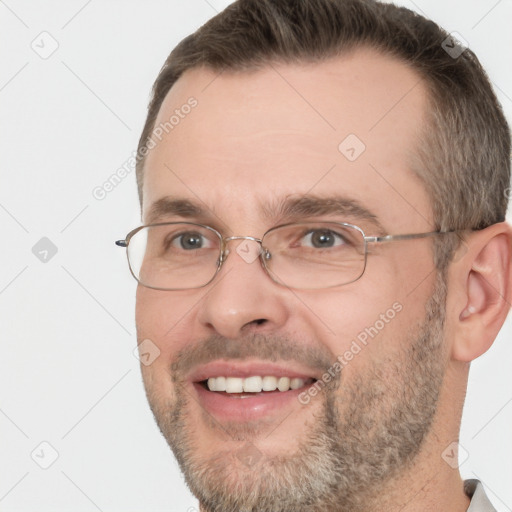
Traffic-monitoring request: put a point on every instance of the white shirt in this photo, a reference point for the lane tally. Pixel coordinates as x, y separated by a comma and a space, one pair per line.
479, 500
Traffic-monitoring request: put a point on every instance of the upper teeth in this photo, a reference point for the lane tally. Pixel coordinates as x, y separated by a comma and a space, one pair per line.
254, 384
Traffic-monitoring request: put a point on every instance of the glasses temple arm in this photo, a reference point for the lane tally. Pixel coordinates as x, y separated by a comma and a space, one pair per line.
412, 236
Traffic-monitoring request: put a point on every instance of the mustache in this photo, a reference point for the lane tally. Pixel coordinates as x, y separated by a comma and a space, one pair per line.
264, 347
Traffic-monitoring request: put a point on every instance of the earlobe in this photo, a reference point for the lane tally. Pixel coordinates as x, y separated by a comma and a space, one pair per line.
487, 291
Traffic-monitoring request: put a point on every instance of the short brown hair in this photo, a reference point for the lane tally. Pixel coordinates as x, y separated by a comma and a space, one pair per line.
464, 156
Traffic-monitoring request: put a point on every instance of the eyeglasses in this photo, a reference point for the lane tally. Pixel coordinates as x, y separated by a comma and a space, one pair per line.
306, 255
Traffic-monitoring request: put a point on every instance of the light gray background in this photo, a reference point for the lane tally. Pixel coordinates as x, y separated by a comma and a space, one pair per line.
68, 375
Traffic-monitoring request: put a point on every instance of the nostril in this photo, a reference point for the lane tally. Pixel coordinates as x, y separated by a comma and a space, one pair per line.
254, 324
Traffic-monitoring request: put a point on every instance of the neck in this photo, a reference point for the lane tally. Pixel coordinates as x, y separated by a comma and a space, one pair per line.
426, 485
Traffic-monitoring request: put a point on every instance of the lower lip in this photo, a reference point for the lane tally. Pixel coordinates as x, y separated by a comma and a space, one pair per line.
247, 407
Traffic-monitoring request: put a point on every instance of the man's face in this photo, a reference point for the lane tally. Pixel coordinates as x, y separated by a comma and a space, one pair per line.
254, 143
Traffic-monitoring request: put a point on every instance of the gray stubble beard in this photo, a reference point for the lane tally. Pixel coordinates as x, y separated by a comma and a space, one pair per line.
347, 458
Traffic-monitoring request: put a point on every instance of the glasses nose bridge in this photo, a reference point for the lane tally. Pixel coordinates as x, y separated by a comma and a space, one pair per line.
254, 239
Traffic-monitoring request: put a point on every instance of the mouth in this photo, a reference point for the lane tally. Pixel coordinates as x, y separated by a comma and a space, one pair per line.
242, 393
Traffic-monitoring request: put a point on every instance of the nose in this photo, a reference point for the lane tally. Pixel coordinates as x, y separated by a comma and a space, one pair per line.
243, 298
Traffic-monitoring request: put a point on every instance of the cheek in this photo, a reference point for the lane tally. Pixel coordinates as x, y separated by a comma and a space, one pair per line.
163, 325
361, 320
165, 318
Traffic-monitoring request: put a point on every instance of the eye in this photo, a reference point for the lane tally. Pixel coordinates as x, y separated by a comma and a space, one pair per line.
323, 239
190, 241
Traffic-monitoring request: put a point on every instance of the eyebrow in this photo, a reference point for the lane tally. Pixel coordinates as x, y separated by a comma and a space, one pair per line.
286, 210
291, 209
169, 206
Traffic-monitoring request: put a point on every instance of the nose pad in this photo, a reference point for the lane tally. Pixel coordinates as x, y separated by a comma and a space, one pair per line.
223, 256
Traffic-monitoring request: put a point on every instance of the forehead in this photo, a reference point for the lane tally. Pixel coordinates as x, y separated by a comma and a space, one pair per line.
347, 127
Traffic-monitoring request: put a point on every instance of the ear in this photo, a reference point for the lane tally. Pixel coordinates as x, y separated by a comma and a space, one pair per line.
482, 279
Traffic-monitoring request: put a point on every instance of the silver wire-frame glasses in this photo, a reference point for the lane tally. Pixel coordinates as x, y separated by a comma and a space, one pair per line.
304, 255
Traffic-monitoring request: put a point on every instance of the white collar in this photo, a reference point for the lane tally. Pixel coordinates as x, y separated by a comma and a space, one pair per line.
479, 500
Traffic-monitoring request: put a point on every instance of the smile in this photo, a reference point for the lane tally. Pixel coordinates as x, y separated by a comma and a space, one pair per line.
267, 389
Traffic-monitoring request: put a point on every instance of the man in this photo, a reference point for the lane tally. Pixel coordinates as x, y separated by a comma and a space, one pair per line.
324, 252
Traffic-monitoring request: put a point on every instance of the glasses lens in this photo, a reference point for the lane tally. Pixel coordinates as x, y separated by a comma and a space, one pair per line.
315, 255
174, 256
